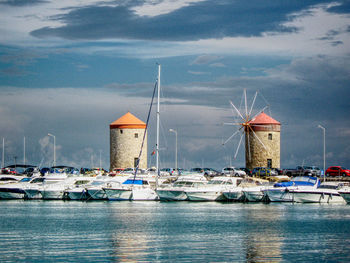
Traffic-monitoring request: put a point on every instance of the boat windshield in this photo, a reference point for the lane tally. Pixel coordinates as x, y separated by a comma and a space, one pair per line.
37, 180
24, 180
308, 179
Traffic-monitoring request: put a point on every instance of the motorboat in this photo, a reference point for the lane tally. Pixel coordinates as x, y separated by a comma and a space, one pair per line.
8, 178
95, 190
327, 192
345, 193
213, 190
57, 191
176, 191
77, 191
133, 189
16, 190
255, 192
237, 193
59, 173
281, 192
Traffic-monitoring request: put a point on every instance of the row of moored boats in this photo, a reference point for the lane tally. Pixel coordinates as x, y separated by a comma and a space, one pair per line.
189, 187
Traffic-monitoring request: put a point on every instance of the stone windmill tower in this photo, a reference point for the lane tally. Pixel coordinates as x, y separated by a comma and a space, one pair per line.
262, 137
126, 135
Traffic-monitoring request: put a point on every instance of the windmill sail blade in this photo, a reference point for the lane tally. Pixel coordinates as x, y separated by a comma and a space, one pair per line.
237, 110
232, 123
239, 144
256, 136
248, 141
231, 137
251, 108
245, 103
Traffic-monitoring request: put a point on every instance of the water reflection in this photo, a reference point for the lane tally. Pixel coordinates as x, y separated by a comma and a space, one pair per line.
172, 232
263, 240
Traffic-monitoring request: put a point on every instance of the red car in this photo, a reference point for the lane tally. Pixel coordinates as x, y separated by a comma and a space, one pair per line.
337, 171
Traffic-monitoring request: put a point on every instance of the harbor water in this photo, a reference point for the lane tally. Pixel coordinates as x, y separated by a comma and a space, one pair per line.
61, 231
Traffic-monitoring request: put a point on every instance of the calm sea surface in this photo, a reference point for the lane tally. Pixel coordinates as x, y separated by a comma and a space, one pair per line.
59, 231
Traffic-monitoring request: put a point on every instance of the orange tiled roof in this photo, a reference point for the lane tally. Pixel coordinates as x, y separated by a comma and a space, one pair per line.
128, 121
263, 118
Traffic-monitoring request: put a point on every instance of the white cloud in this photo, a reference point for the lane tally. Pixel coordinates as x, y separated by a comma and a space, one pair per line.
155, 8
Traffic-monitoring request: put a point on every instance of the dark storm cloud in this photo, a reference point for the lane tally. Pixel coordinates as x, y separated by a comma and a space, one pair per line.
21, 2
209, 19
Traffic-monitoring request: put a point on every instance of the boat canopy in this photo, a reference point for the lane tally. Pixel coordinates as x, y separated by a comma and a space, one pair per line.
131, 181
299, 181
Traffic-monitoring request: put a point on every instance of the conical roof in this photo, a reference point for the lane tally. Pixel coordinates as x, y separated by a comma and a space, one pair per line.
263, 118
128, 121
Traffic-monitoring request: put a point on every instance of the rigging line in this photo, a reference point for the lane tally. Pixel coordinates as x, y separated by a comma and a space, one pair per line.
268, 104
144, 135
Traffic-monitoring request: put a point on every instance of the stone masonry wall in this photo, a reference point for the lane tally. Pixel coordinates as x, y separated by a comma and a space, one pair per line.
258, 154
125, 147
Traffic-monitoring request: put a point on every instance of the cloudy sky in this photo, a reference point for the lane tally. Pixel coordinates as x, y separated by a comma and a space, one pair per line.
72, 67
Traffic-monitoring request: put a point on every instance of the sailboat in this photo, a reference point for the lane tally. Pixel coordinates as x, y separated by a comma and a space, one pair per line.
140, 188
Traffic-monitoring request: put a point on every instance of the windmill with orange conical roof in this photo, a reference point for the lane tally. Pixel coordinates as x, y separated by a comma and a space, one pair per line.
262, 136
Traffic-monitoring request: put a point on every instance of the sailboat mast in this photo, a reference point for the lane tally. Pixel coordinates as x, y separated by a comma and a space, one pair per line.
158, 104
3, 153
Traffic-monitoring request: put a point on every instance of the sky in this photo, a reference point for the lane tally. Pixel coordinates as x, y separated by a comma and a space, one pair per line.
72, 67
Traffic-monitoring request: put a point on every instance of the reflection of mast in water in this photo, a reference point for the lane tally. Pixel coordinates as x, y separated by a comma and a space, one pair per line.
264, 240
131, 248
134, 234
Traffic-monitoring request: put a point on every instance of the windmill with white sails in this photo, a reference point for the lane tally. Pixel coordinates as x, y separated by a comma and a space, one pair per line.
262, 136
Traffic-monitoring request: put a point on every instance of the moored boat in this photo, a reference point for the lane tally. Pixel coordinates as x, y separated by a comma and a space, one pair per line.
176, 190
281, 192
213, 190
327, 192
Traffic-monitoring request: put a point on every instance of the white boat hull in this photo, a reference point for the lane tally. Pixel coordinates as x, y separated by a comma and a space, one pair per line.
234, 195
32, 194
279, 195
52, 194
144, 194
171, 195
96, 194
254, 196
11, 194
118, 194
318, 197
205, 196
345, 196
76, 195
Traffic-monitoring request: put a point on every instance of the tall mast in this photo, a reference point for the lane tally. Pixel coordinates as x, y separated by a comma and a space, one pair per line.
24, 150
158, 103
3, 153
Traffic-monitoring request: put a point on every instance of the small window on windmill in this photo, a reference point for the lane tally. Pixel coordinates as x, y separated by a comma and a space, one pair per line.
136, 135
136, 162
270, 136
269, 163
121, 131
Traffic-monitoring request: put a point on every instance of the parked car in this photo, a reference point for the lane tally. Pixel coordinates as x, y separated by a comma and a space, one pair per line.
264, 171
247, 171
337, 171
233, 171
211, 172
197, 170
303, 170
278, 171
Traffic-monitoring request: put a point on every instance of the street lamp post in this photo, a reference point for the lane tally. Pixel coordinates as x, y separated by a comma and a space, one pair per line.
324, 151
174, 131
54, 148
